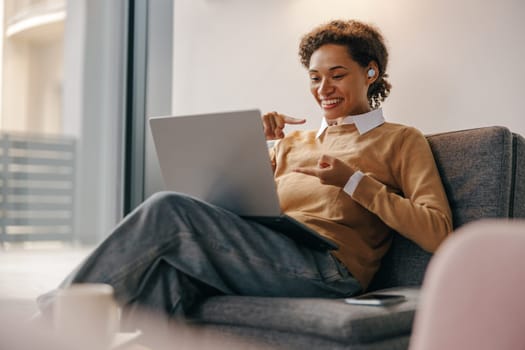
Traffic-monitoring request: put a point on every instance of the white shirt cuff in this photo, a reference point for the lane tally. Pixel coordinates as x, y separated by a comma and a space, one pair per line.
270, 143
353, 181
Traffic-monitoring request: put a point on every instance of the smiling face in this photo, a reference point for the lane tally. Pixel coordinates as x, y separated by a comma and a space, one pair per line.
338, 83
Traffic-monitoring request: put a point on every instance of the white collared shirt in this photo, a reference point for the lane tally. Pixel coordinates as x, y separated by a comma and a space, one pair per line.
364, 123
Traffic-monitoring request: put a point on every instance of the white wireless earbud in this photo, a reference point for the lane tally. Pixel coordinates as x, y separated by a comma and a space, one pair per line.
371, 72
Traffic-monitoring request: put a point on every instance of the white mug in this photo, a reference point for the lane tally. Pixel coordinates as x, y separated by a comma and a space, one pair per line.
87, 314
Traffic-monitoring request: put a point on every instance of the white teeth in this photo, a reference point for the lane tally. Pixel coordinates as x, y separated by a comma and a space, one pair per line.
330, 102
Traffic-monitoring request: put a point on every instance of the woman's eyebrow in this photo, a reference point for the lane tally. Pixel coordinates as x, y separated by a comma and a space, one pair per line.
330, 69
338, 67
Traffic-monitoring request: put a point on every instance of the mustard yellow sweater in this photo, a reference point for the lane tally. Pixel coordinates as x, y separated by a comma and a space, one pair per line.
401, 190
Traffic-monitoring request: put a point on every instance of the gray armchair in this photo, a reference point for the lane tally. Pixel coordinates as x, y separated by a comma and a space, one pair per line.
483, 171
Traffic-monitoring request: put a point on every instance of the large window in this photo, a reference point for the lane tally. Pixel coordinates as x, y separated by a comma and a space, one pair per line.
152, 93
62, 107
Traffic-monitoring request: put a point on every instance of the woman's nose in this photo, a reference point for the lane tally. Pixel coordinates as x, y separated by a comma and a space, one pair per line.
324, 87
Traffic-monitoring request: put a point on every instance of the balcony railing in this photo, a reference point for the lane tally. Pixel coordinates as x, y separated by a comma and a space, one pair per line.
37, 178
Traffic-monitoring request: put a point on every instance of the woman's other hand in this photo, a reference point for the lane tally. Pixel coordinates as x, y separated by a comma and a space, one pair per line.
274, 124
329, 170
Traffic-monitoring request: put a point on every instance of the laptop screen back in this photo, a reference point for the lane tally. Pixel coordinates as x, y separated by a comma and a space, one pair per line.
221, 158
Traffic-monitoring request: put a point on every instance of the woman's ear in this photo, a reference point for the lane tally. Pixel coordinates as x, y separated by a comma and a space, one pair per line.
372, 72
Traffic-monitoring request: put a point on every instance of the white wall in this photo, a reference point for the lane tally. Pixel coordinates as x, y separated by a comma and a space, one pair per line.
454, 64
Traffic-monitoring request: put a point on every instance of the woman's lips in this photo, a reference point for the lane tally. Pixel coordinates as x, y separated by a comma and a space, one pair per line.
331, 103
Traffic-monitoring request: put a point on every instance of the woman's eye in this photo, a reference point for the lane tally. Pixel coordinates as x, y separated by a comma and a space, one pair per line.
314, 78
339, 76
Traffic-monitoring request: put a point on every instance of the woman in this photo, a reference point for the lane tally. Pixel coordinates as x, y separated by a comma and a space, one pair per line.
353, 180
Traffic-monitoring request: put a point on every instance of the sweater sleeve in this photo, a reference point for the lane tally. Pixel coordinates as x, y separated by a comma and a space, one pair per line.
421, 211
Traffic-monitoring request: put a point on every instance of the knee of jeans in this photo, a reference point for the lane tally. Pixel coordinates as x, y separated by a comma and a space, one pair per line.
158, 196
162, 197
165, 199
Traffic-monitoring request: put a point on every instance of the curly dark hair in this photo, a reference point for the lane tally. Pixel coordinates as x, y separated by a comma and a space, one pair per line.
365, 44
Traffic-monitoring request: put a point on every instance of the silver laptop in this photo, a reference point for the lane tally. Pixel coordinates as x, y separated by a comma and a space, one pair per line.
222, 158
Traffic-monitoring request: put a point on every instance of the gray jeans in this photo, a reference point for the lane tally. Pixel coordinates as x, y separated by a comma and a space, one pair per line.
173, 251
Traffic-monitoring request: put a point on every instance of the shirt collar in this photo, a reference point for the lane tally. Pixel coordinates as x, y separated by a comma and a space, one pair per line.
364, 122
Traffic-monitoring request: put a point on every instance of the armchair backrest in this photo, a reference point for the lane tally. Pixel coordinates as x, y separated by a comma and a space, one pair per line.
518, 202
483, 172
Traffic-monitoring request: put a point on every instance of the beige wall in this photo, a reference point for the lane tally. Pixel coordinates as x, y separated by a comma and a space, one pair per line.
45, 108
454, 64
33, 74
32, 70
15, 86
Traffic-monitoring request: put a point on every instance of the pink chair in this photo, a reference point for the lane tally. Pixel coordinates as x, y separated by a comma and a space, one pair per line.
473, 295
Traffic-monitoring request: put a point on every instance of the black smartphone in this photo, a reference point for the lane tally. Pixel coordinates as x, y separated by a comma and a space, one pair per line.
376, 299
